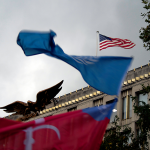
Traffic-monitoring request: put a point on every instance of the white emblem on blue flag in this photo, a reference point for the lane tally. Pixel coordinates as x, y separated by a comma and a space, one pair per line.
86, 60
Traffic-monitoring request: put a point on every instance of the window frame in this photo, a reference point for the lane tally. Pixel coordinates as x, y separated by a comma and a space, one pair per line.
72, 109
124, 118
100, 102
138, 95
113, 113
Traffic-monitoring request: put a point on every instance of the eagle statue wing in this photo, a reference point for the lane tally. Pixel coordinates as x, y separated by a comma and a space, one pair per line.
17, 106
44, 96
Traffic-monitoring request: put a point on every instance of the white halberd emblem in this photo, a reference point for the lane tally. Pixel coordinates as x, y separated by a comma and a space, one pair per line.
29, 139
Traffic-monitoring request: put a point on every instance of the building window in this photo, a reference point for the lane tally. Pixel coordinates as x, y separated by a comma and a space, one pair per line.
127, 107
114, 111
130, 106
98, 102
129, 140
124, 108
143, 98
138, 132
72, 109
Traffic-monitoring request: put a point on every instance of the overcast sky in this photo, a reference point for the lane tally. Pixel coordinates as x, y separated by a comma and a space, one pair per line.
75, 23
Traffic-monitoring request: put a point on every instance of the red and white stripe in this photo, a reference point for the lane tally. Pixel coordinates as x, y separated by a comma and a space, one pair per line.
124, 43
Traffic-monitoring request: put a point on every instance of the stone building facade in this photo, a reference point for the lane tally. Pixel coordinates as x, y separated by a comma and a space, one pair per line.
89, 97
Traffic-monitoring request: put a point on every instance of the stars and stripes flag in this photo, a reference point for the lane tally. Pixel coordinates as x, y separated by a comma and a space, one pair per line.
105, 42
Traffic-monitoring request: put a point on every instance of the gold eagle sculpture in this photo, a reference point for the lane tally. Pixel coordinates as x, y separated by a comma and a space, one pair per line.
43, 98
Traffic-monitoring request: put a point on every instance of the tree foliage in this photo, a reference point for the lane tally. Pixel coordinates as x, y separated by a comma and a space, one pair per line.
117, 137
145, 32
143, 123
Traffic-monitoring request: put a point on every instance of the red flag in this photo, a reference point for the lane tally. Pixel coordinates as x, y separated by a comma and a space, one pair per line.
81, 129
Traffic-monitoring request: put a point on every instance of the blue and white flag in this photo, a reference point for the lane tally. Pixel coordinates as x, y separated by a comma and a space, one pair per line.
104, 73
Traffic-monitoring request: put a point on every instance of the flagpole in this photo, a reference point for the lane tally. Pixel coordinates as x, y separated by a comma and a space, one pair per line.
97, 43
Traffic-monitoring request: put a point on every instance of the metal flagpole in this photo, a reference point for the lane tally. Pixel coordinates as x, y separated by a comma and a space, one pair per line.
97, 43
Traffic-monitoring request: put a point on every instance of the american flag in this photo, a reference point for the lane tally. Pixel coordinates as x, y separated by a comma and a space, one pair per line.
105, 42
